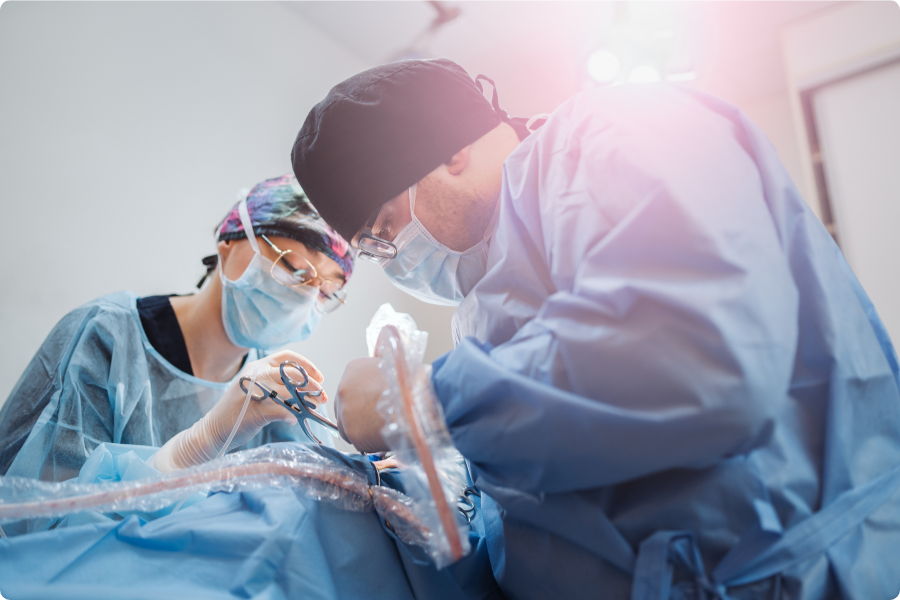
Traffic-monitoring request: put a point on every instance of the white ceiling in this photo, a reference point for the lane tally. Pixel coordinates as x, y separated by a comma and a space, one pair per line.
537, 51
372, 30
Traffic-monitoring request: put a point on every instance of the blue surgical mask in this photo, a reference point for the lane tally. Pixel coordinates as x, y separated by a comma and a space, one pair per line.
259, 312
429, 270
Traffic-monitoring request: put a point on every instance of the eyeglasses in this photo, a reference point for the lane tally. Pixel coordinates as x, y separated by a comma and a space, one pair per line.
285, 273
374, 248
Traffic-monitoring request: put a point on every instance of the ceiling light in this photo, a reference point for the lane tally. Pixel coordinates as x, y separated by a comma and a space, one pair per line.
603, 66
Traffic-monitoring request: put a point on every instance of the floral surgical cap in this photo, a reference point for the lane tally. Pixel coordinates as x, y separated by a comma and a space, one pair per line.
278, 207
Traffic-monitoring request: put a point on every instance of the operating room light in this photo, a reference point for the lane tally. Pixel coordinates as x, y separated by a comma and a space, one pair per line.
643, 74
603, 66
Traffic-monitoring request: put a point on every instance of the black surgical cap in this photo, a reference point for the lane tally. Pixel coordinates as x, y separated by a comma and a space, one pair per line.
382, 130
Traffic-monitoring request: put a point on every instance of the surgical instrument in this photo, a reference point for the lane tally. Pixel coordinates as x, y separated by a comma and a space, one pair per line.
302, 408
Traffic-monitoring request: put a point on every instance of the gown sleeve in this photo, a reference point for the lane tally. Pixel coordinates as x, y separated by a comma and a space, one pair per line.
25, 403
664, 312
59, 410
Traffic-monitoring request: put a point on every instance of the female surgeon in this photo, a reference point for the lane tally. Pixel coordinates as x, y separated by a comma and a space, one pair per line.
146, 370
148, 373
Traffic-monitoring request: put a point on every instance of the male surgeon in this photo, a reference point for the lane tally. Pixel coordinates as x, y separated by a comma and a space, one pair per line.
667, 380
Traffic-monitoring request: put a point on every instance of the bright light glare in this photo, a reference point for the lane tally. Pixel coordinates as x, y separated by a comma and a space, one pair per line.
660, 34
643, 74
603, 66
689, 76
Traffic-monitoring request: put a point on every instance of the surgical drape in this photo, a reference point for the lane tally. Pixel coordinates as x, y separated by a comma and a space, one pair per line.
268, 544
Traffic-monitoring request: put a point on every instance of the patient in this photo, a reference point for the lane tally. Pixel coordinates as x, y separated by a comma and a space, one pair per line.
139, 371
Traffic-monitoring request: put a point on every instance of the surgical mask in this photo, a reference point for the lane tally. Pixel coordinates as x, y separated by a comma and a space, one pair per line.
259, 312
429, 270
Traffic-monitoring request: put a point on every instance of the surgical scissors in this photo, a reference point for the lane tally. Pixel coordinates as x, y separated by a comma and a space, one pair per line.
303, 409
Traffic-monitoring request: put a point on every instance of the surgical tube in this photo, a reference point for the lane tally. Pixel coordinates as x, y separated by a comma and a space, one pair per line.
243, 412
415, 429
311, 474
391, 337
285, 466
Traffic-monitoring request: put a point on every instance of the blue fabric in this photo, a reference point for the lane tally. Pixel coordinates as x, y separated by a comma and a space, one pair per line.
266, 544
95, 379
672, 368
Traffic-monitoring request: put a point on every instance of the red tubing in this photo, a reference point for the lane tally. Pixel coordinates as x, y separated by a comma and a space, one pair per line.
41, 508
392, 336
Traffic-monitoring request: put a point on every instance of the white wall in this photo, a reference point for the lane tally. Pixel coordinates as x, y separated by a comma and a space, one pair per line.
859, 130
828, 44
841, 57
126, 130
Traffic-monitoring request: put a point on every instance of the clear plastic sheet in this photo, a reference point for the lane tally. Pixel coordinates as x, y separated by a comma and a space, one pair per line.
414, 341
402, 515
307, 472
415, 430
311, 474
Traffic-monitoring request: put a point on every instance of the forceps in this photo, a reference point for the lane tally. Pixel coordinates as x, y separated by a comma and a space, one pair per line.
303, 409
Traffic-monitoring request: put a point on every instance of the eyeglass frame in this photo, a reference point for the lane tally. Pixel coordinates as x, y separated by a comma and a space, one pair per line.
367, 234
315, 272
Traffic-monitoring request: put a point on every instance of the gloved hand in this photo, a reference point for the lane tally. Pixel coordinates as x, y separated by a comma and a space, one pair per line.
358, 419
203, 440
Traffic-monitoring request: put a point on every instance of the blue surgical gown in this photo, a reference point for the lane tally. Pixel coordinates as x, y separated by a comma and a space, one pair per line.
670, 383
267, 544
96, 378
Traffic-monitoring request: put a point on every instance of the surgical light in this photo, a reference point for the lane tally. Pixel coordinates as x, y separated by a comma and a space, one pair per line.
603, 66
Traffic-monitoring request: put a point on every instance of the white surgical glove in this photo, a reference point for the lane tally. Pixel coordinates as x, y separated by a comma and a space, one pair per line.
205, 438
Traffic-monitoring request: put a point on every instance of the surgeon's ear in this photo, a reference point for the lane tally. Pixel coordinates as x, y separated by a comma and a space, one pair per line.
459, 161
224, 249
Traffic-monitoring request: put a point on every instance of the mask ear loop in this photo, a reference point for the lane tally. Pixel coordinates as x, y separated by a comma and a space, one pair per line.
412, 200
213, 262
248, 225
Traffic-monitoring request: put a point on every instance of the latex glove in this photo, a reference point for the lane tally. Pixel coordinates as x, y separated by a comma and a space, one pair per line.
203, 440
358, 392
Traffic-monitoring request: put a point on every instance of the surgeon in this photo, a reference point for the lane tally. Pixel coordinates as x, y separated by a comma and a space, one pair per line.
667, 380
148, 370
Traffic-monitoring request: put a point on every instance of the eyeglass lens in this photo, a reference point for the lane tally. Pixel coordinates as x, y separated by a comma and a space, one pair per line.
332, 294
376, 247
